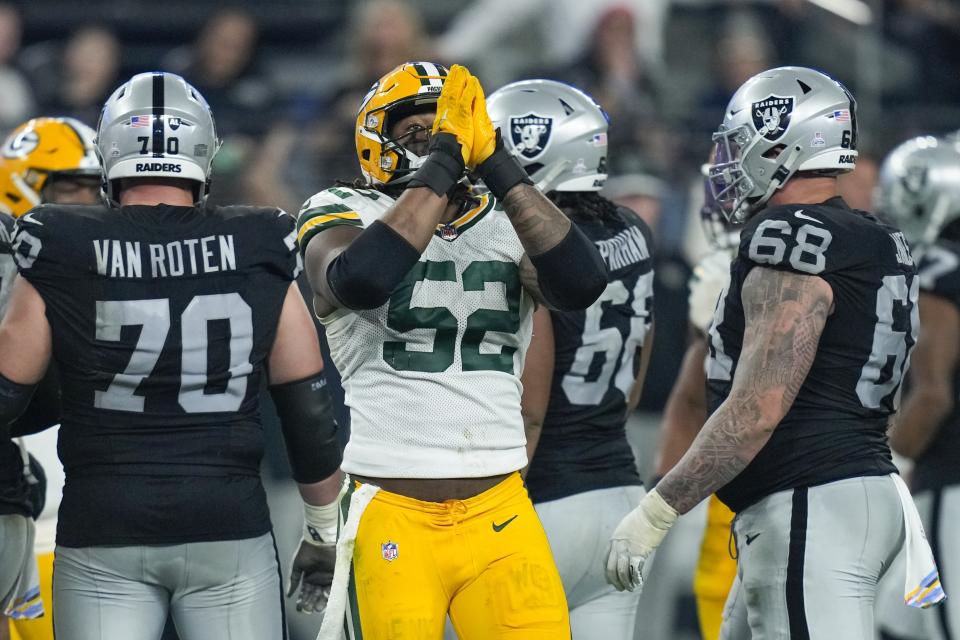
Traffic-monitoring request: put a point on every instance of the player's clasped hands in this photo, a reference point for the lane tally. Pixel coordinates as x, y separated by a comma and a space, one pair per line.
462, 112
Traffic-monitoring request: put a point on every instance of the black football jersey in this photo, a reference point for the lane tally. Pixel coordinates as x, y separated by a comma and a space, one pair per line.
939, 465
583, 445
162, 319
836, 427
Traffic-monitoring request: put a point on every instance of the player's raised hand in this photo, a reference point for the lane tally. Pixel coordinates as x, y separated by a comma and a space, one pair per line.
455, 109
484, 135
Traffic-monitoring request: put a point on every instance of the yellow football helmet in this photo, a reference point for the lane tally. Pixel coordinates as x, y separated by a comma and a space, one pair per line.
35, 151
405, 90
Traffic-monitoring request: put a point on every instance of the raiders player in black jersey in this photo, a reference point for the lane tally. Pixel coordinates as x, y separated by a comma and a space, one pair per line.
161, 314
582, 476
920, 191
807, 349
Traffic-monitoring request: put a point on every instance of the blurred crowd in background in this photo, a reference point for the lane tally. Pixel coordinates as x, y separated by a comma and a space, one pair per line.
284, 79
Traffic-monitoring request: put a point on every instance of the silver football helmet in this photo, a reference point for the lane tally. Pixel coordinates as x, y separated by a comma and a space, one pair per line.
780, 122
920, 187
557, 132
156, 125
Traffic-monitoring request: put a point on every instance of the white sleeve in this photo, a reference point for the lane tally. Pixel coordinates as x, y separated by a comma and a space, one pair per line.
710, 276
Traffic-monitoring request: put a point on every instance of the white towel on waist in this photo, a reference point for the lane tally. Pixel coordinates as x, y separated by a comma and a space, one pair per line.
921, 588
333, 617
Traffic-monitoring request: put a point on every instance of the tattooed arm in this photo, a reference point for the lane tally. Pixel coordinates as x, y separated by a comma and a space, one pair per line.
785, 314
561, 269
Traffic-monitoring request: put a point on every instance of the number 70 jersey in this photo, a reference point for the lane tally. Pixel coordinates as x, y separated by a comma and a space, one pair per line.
432, 376
836, 427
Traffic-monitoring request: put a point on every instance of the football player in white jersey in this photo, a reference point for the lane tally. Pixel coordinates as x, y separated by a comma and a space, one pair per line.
427, 294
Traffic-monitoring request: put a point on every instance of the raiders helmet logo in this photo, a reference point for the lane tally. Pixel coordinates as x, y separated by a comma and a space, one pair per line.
530, 134
771, 116
915, 180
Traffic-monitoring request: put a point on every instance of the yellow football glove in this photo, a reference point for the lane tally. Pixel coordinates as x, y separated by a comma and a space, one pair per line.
455, 109
484, 135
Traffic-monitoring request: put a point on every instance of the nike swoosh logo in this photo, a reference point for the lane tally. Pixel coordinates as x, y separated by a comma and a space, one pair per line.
499, 527
752, 538
804, 216
735, 112
29, 218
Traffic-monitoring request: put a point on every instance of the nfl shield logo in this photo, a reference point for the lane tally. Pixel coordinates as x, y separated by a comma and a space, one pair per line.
771, 116
389, 551
530, 134
448, 232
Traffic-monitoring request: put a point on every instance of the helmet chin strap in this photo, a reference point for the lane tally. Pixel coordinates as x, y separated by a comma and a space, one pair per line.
789, 163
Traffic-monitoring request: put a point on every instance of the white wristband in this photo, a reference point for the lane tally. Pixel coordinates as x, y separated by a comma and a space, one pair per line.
644, 527
320, 523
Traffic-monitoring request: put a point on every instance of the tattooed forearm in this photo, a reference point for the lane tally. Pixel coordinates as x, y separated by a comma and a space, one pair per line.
785, 314
538, 223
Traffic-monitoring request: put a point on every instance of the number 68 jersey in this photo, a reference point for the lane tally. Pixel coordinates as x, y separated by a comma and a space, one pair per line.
836, 427
432, 376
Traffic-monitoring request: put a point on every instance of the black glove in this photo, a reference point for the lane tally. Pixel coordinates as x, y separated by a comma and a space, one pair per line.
501, 171
312, 570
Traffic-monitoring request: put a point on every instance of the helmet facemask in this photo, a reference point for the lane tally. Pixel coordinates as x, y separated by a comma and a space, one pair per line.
397, 157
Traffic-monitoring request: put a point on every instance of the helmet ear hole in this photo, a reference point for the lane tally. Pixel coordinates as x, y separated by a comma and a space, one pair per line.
366, 154
774, 152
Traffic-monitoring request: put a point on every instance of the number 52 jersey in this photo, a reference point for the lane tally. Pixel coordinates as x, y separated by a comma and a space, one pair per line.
836, 427
432, 377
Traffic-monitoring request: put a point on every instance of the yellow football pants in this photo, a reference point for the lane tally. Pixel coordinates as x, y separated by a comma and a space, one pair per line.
38, 628
485, 560
716, 570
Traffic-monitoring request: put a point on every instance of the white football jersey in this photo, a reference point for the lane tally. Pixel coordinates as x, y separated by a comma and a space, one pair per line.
432, 377
710, 277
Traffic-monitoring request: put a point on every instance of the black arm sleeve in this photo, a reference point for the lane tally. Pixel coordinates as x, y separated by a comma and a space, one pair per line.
14, 398
367, 272
309, 430
43, 411
572, 275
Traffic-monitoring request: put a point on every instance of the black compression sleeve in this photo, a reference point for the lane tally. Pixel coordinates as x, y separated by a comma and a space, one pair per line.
572, 275
309, 430
14, 398
502, 171
367, 272
43, 411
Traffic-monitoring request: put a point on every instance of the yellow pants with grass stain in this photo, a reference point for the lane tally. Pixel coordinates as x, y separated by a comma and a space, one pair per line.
485, 560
